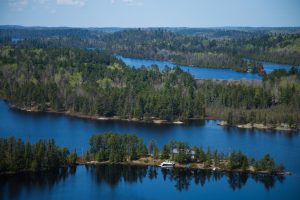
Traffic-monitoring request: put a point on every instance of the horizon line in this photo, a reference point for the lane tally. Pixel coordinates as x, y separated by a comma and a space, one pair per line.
136, 27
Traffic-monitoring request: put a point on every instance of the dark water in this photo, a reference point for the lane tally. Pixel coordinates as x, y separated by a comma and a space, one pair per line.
102, 183
141, 182
206, 73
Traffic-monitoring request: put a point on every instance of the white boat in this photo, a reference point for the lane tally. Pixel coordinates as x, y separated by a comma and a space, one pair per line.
167, 164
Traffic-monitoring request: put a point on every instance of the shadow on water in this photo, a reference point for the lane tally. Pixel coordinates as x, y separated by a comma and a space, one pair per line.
182, 178
113, 174
16, 186
12, 185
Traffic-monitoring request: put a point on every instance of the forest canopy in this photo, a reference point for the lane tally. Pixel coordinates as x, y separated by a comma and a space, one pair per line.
96, 83
206, 47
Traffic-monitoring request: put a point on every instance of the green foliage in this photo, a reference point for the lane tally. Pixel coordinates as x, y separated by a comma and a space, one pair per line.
152, 146
84, 81
72, 158
237, 160
156, 153
180, 151
182, 157
117, 148
43, 155
94, 83
216, 158
272, 102
200, 155
165, 154
230, 118
208, 161
267, 164
219, 48
277, 74
142, 149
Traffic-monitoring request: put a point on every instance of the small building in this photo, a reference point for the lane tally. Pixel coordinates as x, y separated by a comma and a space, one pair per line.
188, 152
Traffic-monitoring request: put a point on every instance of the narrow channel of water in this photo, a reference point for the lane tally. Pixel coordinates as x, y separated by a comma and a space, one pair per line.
202, 72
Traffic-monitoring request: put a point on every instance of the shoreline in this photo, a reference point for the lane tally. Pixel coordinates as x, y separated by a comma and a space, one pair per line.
191, 166
120, 57
101, 118
278, 127
283, 127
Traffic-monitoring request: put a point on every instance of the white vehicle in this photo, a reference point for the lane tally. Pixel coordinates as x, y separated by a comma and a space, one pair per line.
167, 164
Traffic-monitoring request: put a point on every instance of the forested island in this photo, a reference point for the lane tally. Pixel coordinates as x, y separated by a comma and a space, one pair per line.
126, 149
95, 84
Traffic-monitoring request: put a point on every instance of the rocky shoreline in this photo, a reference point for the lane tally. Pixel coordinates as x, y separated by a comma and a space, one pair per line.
96, 117
156, 162
277, 127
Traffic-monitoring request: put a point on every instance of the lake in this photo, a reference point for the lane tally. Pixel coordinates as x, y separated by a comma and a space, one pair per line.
120, 182
202, 72
140, 182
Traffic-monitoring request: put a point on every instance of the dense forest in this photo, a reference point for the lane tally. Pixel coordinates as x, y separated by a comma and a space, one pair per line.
17, 155
124, 148
95, 83
218, 48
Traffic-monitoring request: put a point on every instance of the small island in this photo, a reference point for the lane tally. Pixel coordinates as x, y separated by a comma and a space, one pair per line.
111, 148
127, 149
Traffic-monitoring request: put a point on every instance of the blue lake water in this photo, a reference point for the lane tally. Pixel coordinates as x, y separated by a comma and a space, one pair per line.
139, 182
119, 182
202, 72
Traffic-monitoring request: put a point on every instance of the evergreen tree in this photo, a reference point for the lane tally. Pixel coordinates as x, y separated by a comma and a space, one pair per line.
165, 154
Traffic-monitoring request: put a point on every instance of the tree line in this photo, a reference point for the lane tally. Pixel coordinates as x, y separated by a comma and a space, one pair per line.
17, 155
118, 148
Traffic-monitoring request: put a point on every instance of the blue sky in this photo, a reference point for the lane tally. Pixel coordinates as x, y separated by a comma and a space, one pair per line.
150, 13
